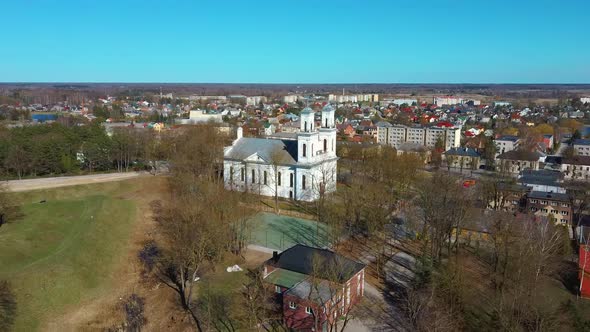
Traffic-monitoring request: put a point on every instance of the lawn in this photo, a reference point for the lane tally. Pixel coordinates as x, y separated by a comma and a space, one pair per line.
281, 232
64, 251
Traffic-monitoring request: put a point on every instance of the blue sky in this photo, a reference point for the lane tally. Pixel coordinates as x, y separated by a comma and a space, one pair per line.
296, 41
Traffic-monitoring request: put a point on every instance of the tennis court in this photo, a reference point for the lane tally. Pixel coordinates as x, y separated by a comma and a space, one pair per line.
281, 232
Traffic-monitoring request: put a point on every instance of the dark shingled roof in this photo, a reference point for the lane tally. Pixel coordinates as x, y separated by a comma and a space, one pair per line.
577, 160
507, 138
520, 155
549, 195
286, 150
328, 264
582, 142
464, 152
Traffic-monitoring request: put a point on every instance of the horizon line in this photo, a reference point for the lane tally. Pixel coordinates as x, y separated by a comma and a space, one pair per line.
293, 83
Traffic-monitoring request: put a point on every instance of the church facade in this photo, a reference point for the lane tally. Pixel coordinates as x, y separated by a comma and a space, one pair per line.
302, 167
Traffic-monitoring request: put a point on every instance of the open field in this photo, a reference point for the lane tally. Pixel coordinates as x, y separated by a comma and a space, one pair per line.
69, 251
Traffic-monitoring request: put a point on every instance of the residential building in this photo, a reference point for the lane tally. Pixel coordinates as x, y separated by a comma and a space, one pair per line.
416, 149
542, 180
554, 205
463, 158
314, 287
408, 102
585, 100
509, 197
353, 98
502, 104
201, 116
506, 143
255, 100
576, 168
447, 100
548, 141
395, 135
582, 147
291, 98
300, 168
517, 160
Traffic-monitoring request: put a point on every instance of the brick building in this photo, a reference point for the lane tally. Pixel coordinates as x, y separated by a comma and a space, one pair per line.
315, 287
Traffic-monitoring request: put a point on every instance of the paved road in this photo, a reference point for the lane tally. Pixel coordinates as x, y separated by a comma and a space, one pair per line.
64, 181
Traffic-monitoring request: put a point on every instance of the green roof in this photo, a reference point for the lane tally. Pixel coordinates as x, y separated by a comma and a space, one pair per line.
285, 278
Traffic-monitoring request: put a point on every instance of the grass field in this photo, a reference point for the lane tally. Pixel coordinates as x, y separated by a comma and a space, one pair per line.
281, 232
64, 250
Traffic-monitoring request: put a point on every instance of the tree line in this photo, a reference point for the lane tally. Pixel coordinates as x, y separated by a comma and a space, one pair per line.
57, 149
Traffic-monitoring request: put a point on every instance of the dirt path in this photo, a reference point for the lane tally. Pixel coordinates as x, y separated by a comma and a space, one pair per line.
64, 181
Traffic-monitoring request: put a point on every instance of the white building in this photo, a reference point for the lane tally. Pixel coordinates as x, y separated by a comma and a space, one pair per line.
576, 168
408, 102
396, 135
289, 99
300, 168
200, 116
447, 100
501, 103
353, 98
582, 147
506, 143
255, 100
585, 100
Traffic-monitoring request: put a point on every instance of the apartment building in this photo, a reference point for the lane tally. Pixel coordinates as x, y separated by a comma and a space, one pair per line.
353, 98
447, 100
506, 143
576, 168
556, 205
395, 135
582, 147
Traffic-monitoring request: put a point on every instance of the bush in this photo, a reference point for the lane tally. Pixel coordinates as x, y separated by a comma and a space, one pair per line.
149, 254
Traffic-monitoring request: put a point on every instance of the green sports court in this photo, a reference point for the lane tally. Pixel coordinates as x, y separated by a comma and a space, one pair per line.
281, 232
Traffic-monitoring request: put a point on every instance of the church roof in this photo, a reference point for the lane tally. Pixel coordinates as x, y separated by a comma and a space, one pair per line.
271, 150
307, 110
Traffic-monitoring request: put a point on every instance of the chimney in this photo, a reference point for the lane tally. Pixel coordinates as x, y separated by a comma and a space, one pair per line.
240, 133
275, 256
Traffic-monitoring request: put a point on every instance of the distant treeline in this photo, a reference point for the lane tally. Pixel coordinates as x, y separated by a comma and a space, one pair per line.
57, 149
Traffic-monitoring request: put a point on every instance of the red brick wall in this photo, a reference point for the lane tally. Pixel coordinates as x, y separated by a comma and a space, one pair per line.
298, 319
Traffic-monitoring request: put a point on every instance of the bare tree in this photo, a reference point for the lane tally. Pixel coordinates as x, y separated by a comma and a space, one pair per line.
7, 306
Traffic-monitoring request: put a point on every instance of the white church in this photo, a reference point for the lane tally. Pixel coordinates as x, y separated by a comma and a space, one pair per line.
300, 166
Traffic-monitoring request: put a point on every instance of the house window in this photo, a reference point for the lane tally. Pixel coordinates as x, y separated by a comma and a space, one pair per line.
253, 176
304, 150
292, 305
291, 180
303, 182
231, 174
325, 145
279, 179
308, 310
265, 178
565, 213
278, 289
243, 174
